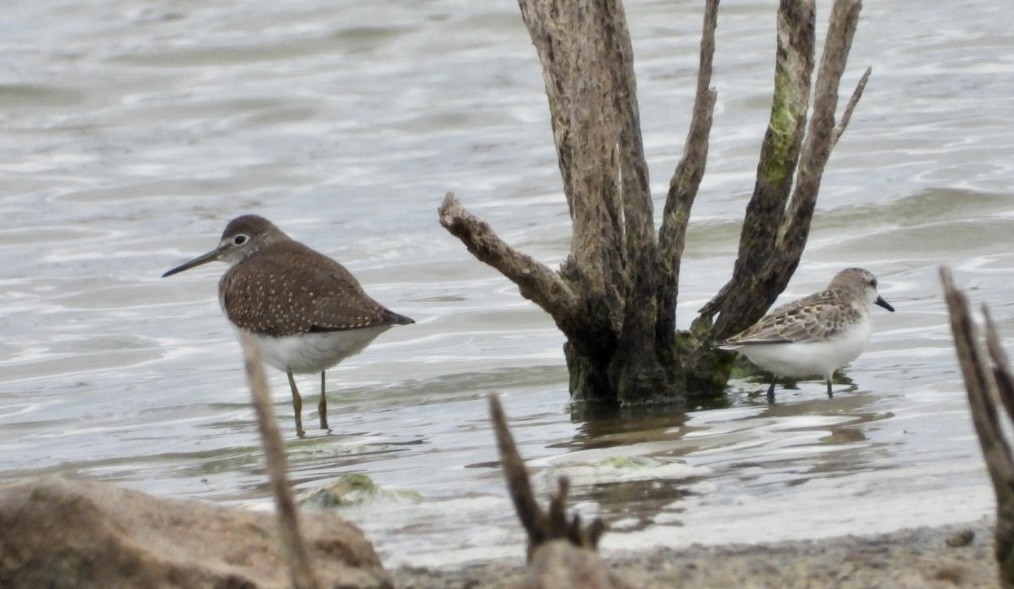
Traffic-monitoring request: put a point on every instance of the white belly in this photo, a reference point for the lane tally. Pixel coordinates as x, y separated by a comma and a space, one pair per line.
814, 358
315, 352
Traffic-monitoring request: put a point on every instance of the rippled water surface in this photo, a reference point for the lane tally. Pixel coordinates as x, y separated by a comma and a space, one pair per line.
133, 131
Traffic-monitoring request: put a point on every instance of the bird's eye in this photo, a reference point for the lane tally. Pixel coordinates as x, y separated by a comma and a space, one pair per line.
873, 283
240, 239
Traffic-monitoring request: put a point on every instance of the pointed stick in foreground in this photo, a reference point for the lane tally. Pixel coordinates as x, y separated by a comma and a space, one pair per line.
561, 551
990, 387
540, 526
274, 451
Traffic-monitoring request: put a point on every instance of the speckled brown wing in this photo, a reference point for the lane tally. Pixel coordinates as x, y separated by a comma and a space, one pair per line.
818, 316
290, 289
340, 311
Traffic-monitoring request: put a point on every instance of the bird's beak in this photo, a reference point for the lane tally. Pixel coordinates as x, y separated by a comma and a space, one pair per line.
208, 257
880, 301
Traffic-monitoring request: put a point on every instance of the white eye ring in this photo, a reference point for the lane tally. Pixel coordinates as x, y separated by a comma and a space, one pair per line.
240, 239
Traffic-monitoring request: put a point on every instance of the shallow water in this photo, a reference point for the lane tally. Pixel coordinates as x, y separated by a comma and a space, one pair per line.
133, 132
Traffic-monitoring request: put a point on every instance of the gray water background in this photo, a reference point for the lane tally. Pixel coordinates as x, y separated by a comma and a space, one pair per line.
133, 131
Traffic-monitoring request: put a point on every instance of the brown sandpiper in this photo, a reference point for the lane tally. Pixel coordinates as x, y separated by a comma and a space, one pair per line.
306, 310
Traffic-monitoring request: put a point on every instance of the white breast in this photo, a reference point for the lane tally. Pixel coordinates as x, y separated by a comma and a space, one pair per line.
315, 352
811, 358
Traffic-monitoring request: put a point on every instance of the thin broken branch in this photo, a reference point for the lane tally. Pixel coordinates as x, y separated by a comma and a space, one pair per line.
686, 179
846, 115
989, 387
301, 570
1001, 376
536, 282
541, 526
979, 381
516, 476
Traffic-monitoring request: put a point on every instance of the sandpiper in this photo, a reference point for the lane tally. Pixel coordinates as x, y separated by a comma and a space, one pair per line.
815, 335
307, 311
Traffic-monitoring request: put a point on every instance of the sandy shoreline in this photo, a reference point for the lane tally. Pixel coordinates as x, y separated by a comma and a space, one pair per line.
913, 558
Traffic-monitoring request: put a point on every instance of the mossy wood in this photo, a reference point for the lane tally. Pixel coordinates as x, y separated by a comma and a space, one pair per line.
614, 298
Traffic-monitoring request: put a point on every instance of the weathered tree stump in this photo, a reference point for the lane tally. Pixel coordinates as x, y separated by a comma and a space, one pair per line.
614, 298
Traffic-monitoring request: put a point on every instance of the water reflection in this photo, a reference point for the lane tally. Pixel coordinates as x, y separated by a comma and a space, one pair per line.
601, 426
642, 472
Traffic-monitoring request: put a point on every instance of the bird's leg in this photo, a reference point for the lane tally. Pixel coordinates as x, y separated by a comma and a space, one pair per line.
297, 405
830, 394
771, 390
322, 404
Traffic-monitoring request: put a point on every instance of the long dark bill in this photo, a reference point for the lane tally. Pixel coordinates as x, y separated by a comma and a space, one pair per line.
208, 257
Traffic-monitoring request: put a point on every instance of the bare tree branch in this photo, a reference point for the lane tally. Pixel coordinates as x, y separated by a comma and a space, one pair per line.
820, 136
542, 26
686, 179
633, 168
541, 526
978, 378
1004, 386
567, 36
300, 567
536, 282
738, 300
532, 518
638, 212
986, 386
851, 106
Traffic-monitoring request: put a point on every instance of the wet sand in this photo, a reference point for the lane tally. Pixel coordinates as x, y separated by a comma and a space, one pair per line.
935, 557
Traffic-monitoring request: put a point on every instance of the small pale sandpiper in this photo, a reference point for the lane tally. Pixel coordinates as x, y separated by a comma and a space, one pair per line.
815, 335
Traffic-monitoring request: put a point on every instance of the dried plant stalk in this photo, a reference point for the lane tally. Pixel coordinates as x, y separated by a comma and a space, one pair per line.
300, 567
990, 389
